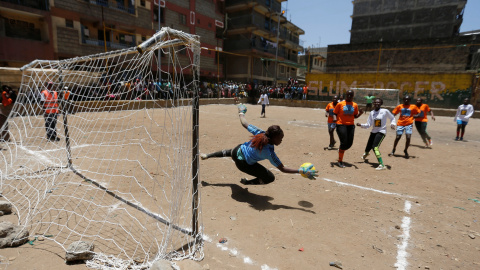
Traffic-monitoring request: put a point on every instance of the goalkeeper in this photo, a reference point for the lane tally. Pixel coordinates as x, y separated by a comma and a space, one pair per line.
247, 155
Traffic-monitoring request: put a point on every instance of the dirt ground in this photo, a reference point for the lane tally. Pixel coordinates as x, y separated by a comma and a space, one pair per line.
421, 213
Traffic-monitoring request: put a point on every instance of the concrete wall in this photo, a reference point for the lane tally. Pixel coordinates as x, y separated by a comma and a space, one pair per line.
445, 55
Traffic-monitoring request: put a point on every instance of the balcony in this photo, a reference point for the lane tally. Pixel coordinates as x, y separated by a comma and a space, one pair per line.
36, 4
124, 6
22, 29
262, 6
256, 45
111, 45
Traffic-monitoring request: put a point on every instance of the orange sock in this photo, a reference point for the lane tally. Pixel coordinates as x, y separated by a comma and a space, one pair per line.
340, 155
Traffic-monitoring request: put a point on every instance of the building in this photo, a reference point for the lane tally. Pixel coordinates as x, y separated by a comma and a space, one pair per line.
263, 45
60, 29
314, 60
397, 20
406, 36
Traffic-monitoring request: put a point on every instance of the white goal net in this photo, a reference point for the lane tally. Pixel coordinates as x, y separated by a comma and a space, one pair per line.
391, 97
124, 173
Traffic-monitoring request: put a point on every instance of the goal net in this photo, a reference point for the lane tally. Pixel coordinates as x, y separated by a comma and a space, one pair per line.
391, 97
123, 175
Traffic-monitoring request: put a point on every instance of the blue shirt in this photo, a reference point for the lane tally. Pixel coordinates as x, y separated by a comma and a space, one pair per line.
253, 155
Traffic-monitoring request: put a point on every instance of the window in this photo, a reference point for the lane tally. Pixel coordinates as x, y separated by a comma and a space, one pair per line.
142, 3
162, 14
182, 18
68, 23
282, 69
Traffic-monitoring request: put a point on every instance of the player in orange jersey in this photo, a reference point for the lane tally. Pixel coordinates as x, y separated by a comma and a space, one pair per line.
331, 125
421, 122
344, 116
405, 123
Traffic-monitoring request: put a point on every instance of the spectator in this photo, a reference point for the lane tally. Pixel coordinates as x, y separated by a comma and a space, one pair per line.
49, 99
8, 100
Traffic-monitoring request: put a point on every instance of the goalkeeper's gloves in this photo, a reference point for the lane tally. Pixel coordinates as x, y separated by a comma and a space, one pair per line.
242, 110
311, 174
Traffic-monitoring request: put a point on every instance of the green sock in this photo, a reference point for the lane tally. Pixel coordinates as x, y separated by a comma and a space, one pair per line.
380, 160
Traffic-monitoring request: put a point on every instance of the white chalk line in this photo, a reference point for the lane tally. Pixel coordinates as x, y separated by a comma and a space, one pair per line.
369, 189
235, 253
402, 253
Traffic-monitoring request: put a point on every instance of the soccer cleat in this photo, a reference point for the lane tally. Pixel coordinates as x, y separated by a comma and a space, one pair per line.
406, 153
430, 142
456, 138
244, 181
203, 156
380, 168
365, 155
461, 138
340, 164
391, 154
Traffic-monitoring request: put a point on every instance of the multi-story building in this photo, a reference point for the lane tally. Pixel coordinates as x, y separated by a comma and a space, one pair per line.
405, 36
263, 44
314, 60
59, 29
396, 20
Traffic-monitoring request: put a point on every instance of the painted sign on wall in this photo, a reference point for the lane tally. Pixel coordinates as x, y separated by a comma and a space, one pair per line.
440, 89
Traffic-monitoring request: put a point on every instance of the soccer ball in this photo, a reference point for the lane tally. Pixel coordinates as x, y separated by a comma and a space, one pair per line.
242, 108
306, 165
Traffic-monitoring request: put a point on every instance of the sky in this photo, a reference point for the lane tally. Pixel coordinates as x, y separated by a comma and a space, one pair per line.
327, 22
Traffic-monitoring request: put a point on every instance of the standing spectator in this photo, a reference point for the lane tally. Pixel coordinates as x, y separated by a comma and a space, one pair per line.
331, 125
8, 100
377, 119
344, 116
464, 112
421, 122
369, 98
49, 99
305, 92
264, 101
404, 123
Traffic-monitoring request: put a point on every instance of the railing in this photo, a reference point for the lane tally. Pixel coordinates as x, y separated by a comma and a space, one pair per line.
112, 45
117, 4
37, 4
22, 31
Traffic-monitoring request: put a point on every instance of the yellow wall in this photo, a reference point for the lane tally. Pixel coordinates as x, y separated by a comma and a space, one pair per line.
436, 85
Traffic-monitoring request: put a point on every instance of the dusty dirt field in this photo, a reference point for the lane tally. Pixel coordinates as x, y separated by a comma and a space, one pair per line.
421, 213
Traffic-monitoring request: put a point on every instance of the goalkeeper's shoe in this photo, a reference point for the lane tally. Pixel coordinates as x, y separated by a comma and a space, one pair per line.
203, 156
381, 167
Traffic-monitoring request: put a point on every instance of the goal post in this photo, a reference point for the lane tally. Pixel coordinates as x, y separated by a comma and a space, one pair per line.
124, 174
390, 97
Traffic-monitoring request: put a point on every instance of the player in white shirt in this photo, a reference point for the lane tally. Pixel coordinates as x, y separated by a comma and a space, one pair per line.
264, 101
464, 112
378, 120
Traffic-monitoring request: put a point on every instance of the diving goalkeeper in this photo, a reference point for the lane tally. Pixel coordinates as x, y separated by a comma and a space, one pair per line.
262, 146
